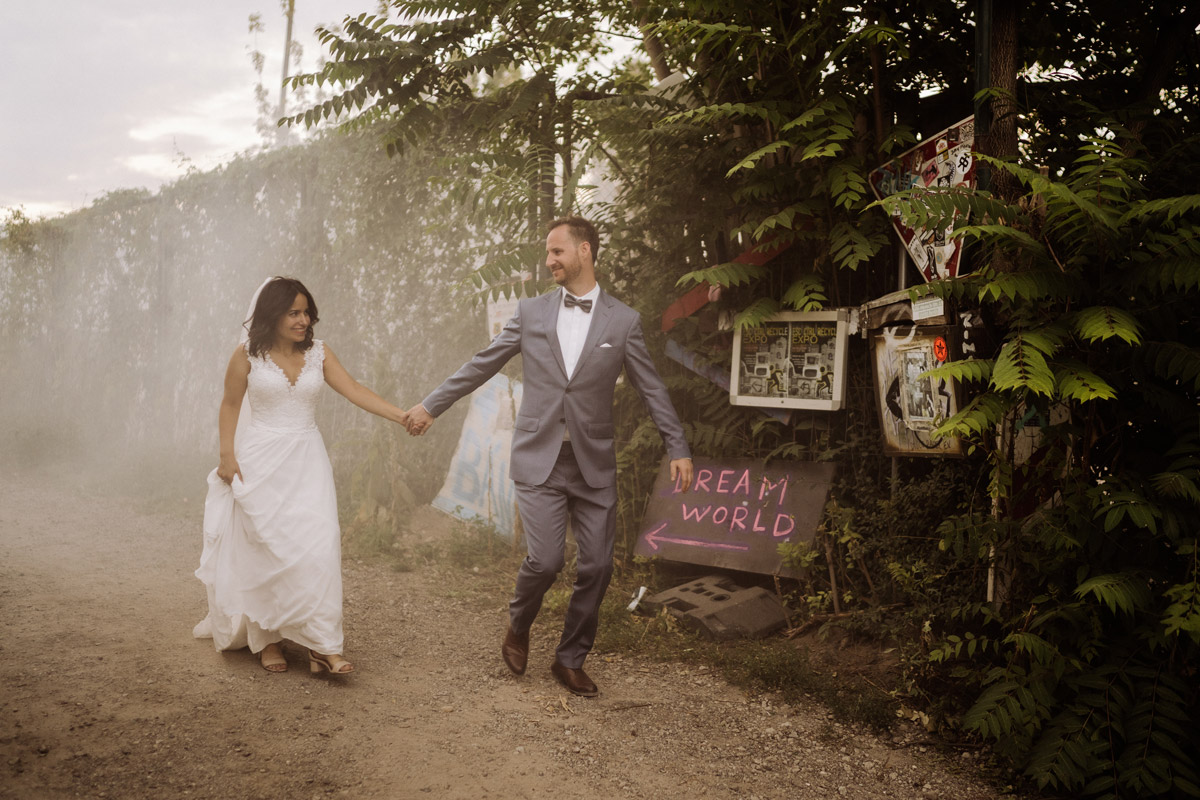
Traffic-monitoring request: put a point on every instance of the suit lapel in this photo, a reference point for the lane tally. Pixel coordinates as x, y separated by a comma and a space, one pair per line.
601, 314
550, 318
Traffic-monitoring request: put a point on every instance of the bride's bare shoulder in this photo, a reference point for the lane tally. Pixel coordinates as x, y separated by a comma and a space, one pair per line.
241, 356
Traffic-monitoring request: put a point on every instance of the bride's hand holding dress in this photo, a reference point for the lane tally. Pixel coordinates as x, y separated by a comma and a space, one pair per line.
271, 561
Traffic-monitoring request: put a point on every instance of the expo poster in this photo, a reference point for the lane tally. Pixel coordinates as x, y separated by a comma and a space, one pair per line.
795, 360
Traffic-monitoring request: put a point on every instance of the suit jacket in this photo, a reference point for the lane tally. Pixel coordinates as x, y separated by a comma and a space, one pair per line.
552, 404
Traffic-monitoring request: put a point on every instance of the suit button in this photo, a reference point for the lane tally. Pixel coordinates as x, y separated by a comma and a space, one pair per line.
562, 419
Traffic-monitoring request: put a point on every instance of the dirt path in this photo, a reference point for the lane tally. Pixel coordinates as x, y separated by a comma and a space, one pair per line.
104, 693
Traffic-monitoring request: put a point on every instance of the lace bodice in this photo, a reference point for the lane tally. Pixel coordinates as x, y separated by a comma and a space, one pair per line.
278, 405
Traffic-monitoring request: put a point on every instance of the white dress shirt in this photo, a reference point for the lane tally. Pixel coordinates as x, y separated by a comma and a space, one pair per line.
573, 325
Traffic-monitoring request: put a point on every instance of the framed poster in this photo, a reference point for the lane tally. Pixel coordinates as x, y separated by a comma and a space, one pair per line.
911, 406
941, 161
797, 359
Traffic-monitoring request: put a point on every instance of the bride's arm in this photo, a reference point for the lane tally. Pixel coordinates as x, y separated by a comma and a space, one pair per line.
236, 376
341, 382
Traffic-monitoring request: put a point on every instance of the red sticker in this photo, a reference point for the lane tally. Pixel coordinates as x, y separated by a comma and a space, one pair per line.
940, 352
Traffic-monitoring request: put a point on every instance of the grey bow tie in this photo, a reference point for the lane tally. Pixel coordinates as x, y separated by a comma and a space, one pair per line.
571, 300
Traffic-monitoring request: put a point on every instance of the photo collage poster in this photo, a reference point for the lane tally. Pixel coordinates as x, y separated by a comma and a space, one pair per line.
791, 361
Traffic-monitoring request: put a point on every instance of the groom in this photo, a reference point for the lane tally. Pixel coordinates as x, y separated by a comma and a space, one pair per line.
574, 341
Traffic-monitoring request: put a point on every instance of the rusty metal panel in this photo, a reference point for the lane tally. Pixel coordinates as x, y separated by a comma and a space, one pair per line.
718, 608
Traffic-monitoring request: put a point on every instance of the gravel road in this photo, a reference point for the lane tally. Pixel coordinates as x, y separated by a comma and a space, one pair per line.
104, 692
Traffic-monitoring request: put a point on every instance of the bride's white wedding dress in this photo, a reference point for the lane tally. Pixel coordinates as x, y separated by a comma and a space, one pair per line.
272, 559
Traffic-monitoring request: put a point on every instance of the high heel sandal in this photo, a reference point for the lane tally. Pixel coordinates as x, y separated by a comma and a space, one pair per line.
272, 663
318, 663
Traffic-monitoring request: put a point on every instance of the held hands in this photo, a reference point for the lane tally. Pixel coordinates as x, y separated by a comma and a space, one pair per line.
681, 473
419, 420
228, 468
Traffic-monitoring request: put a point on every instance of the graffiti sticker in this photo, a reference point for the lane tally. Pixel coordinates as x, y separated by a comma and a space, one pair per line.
941, 161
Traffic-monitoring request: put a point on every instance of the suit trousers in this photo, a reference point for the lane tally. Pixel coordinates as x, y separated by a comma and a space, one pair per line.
545, 509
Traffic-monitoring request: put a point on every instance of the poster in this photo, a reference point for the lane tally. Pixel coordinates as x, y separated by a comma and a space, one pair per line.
477, 486
794, 360
911, 406
941, 161
918, 404
499, 311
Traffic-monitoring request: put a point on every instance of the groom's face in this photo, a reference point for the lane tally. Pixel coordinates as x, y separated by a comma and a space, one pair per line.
562, 256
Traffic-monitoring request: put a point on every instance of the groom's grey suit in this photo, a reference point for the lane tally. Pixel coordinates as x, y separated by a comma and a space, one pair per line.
556, 478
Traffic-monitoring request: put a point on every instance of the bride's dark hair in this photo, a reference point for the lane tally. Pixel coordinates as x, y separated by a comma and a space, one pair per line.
273, 302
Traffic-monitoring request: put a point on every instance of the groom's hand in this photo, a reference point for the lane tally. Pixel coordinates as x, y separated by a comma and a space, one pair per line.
681, 473
419, 420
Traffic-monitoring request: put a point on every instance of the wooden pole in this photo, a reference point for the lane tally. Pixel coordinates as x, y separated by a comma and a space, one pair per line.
281, 132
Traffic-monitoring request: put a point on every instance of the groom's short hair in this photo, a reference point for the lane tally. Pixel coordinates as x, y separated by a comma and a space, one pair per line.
581, 231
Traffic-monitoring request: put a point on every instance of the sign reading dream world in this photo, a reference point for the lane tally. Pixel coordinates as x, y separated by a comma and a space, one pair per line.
736, 514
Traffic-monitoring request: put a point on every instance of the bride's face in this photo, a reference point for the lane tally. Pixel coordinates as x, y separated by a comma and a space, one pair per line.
293, 326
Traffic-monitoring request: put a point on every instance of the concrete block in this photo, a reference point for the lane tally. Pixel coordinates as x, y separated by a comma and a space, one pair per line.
718, 608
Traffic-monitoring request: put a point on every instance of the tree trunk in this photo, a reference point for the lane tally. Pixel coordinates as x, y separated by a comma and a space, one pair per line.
1004, 62
877, 90
652, 44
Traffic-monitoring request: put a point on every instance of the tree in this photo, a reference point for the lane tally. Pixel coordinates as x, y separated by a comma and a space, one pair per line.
510, 76
1085, 260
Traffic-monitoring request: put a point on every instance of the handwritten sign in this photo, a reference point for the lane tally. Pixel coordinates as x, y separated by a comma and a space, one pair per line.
737, 513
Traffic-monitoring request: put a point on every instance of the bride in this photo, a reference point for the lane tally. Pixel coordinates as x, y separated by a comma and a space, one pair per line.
272, 544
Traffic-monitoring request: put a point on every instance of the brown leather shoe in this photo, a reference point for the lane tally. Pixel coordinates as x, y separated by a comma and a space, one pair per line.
515, 650
575, 681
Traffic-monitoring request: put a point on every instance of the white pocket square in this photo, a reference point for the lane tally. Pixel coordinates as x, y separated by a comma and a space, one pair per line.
606, 344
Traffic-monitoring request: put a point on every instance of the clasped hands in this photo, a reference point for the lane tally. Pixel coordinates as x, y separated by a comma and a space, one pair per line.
419, 420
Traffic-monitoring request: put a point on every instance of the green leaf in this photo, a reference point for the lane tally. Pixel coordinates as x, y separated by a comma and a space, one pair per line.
1170, 207
756, 313
724, 112
1174, 361
850, 247
1042, 185
731, 273
782, 220
1119, 506
981, 414
1021, 365
1023, 286
804, 120
1076, 382
1123, 592
1100, 323
1183, 613
749, 161
806, 293
970, 370
1178, 485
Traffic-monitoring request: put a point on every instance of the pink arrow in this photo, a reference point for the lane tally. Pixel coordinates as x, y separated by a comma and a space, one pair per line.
652, 539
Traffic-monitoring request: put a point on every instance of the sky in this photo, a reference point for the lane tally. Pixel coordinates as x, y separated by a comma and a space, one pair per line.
99, 95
